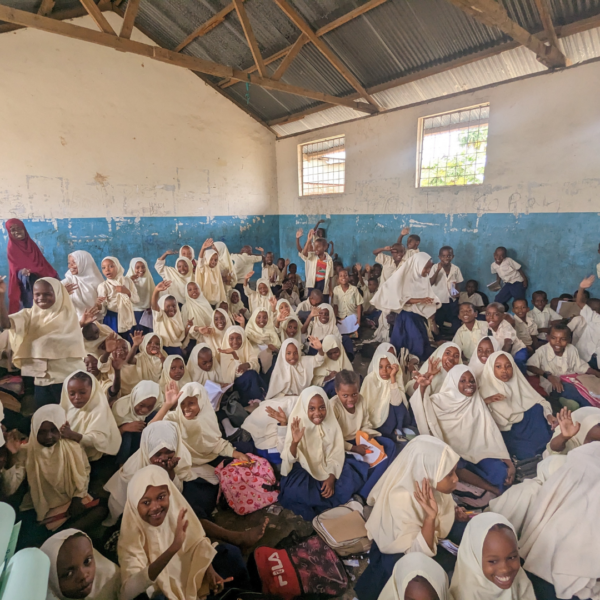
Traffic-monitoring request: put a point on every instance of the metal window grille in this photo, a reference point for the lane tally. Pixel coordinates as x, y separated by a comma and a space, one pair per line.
323, 166
453, 147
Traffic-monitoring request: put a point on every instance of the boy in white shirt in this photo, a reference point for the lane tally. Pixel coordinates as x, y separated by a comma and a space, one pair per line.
412, 243
318, 265
589, 342
314, 300
243, 263
472, 295
543, 316
389, 264
444, 278
525, 326
288, 293
505, 333
511, 273
346, 299
470, 332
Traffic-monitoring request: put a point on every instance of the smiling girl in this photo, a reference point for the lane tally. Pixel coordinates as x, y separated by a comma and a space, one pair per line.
140, 274
82, 281
179, 276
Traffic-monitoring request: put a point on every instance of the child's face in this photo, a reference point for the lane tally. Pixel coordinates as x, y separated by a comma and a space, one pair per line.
76, 567
397, 253
324, 316
558, 340
235, 298
471, 288
235, 341
334, 354
376, 270
214, 261
539, 301
17, 232
420, 589
426, 269
348, 395
187, 252
79, 391
109, 269
246, 250
121, 351
450, 358
281, 264
269, 258
466, 384
219, 321
154, 505
263, 290
153, 346
284, 310
193, 290
145, 407
499, 256
262, 318
373, 286
170, 306
43, 295
291, 354
353, 279
205, 359
190, 408
446, 257
140, 268
292, 329
520, 309
494, 316
412, 243
162, 457
182, 267
385, 369
177, 369
288, 286
448, 484
320, 232
48, 434
315, 300
466, 314
72, 265
500, 557
90, 332
320, 247
503, 369
343, 277
292, 269
91, 365
485, 349
317, 411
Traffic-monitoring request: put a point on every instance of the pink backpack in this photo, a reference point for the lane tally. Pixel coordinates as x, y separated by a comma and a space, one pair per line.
248, 489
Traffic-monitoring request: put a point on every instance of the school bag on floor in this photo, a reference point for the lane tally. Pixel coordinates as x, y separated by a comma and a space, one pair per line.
247, 489
343, 529
309, 569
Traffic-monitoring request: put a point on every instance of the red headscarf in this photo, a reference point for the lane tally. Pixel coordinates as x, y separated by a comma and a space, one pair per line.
23, 254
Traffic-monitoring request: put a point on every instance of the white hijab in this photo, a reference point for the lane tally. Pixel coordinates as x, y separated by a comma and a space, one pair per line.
475, 365
225, 263
397, 517
262, 427
178, 281
107, 581
191, 250
449, 414
587, 417
140, 543
209, 279
321, 449
519, 395
330, 366
406, 283
197, 310
411, 565
284, 325
196, 373
170, 329
88, 279
468, 581
47, 334
124, 408
290, 380
144, 285
438, 378
57, 474
246, 354
94, 421
262, 335
165, 377
257, 300
217, 338
149, 368
381, 352
561, 537
237, 307
321, 330
122, 304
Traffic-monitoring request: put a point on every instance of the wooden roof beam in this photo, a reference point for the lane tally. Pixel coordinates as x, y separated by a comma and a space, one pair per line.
59, 15
250, 38
129, 18
546, 18
98, 17
46, 7
493, 14
289, 57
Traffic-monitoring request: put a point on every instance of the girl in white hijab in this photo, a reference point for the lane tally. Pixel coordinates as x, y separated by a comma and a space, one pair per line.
140, 274
385, 399
522, 415
261, 297
120, 294
149, 361
214, 335
459, 407
321, 322
575, 429
202, 365
560, 540
121, 380
226, 266
90, 421
283, 309
315, 472
336, 360
179, 276
412, 509
485, 348
236, 306
46, 339
408, 291
208, 274
82, 280
196, 309
187, 251
291, 328
381, 350
261, 332
174, 369
449, 356
77, 570
488, 565
416, 575
168, 323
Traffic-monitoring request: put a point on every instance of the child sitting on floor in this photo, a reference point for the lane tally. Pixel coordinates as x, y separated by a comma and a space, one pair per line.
511, 273
314, 300
525, 326
288, 293
543, 316
505, 333
470, 332
472, 295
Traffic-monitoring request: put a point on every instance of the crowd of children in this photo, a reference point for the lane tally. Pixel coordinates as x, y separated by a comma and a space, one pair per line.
145, 385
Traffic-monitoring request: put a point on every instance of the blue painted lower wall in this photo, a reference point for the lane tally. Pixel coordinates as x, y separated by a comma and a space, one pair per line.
557, 250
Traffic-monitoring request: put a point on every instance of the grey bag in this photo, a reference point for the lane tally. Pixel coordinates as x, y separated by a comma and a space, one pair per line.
235, 412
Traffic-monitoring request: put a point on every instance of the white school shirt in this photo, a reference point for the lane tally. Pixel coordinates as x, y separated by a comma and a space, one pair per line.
367, 296
292, 298
508, 270
444, 282
347, 302
467, 340
589, 342
475, 299
388, 266
304, 306
505, 331
243, 264
310, 267
542, 318
526, 330
567, 364
269, 271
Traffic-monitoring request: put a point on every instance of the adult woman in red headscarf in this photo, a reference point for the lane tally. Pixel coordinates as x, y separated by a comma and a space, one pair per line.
26, 265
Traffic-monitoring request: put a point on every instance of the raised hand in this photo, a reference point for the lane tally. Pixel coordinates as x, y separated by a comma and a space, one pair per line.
405, 231
314, 311
171, 252
89, 316
117, 363
287, 262
259, 248
279, 415
568, 427
111, 342
182, 525
248, 276
239, 318
297, 431
587, 282
299, 234
367, 268
172, 394
163, 285
205, 330
226, 351
273, 302
434, 366
315, 342
424, 496
207, 243
311, 234
71, 287
358, 267
137, 338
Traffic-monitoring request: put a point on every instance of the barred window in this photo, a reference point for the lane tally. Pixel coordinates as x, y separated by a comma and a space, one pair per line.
452, 147
323, 166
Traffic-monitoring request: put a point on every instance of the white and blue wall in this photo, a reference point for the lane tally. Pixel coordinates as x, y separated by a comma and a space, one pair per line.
117, 154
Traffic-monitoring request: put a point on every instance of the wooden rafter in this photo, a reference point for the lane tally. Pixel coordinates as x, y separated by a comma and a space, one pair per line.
206, 26
46, 7
325, 50
250, 37
546, 18
27, 19
98, 17
129, 18
493, 14
289, 57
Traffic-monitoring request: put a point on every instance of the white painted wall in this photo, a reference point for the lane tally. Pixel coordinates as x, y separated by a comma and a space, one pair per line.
543, 154
91, 132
